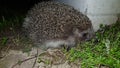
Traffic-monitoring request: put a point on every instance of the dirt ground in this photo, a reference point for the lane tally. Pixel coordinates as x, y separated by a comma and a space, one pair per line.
18, 52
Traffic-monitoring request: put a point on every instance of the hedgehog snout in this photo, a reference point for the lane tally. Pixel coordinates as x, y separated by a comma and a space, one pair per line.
84, 35
89, 34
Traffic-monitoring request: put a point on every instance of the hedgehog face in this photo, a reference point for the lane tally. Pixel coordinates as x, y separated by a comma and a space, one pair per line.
83, 35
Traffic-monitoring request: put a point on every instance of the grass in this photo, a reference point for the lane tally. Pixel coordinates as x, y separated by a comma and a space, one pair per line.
13, 22
11, 18
10, 26
4, 40
102, 51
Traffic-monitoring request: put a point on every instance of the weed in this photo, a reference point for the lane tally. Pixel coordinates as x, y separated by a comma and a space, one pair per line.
4, 40
13, 22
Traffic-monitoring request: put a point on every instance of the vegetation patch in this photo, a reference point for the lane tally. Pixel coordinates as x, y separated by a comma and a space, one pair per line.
104, 50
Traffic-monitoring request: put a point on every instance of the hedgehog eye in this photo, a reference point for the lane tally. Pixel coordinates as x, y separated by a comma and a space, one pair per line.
85, 34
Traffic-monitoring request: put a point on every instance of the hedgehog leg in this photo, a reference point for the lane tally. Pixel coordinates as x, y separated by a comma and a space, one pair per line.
67, 47
54, 44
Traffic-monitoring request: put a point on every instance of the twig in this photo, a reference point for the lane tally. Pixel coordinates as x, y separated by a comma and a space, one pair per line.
35, 59
23, 61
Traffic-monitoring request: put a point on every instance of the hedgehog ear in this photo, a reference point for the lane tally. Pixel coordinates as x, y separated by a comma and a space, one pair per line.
75, 30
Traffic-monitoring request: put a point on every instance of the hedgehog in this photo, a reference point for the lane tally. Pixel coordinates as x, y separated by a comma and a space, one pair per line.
54, 25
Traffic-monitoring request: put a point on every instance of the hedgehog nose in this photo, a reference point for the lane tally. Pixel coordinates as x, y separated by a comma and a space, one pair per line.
87, 39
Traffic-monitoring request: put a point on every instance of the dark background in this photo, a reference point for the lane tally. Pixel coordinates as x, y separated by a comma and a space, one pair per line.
18, 4
13, 12
8, 7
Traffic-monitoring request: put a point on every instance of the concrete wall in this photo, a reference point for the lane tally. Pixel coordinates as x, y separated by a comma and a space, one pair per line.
77, 4
99, 11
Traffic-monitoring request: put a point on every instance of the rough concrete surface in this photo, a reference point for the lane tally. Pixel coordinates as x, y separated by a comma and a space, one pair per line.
18, 59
